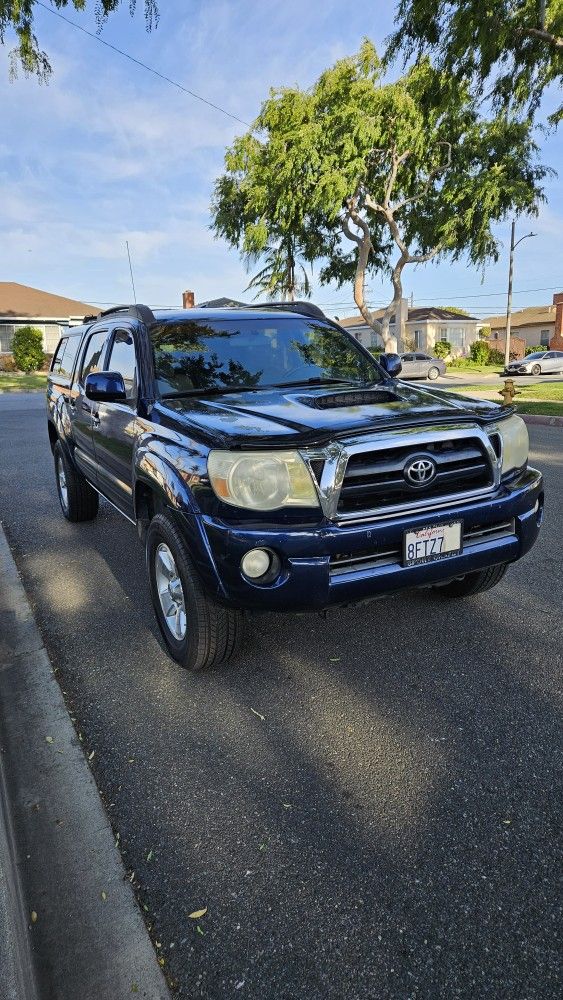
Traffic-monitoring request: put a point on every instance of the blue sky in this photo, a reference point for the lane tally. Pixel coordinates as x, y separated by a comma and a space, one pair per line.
107, 153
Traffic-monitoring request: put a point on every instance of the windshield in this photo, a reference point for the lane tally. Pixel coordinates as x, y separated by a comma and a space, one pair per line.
531, 357
194, 355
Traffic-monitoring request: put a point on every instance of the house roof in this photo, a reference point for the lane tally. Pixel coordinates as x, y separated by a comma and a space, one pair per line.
22, 300
222, 303
416, 315
523, 317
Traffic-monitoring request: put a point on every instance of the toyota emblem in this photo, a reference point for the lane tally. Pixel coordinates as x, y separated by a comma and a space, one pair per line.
420, 471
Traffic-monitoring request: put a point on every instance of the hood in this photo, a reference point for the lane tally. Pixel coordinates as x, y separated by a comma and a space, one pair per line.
304, 415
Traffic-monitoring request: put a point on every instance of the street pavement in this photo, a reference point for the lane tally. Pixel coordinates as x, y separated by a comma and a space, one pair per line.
368, 805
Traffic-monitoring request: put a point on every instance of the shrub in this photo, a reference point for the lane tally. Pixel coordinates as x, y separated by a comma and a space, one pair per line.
480, 352
442, 348
532, 350
497, 357
7, 363
27, 347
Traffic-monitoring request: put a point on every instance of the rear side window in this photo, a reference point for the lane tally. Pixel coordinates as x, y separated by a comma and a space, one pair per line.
93, 355
58, 355
69, 356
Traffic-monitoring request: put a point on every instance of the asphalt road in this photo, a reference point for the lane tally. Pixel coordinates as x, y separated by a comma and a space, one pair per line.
387, 830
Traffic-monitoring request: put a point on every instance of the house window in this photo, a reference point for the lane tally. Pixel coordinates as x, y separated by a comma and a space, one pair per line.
6, 334
418, 340
545, 338
457, 337
443, 333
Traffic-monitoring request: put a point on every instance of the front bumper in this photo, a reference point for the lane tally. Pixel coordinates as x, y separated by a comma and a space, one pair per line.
317, 567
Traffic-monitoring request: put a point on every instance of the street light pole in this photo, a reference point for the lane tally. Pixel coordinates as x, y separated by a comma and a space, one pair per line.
513, 246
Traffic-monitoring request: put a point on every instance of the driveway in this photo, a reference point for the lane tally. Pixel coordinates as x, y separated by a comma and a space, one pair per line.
367, 805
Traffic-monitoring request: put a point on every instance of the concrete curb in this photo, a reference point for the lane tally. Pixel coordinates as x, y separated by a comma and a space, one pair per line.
539, 418
17, 971
88, 939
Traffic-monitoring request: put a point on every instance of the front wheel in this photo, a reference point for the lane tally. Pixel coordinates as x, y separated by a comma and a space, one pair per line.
79, 502
472, 583
433, 373
199, 633
536, 369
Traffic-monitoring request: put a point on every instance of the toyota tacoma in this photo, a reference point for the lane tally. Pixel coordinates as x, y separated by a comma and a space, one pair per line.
271, 463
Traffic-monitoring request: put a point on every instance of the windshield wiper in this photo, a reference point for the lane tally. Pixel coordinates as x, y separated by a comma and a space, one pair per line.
317, 381
215, 390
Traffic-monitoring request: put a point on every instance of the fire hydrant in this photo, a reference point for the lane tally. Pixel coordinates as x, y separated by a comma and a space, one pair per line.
509, 392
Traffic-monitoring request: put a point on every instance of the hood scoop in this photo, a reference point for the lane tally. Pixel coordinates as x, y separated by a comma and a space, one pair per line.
354, 397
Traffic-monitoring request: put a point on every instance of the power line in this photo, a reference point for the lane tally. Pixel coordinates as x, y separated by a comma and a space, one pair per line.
143, 65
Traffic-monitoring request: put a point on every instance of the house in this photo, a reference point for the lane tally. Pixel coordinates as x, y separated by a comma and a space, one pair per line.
424, 326
21, 305
536, 325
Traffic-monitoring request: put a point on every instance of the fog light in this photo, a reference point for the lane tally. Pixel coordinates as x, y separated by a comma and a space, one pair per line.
255, 563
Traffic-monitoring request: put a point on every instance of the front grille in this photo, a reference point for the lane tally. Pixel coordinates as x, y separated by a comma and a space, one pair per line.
375, 479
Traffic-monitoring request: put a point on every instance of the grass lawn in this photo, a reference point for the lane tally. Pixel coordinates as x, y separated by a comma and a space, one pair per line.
547, 409
472, 366
552, 391
13, 382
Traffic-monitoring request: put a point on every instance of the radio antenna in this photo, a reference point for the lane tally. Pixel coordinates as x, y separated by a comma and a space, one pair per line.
131, 270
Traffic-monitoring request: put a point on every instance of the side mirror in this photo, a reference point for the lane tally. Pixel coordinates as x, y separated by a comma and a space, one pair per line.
105, 387
391, 363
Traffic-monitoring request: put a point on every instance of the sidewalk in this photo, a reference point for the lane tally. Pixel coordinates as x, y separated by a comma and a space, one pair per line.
86, 939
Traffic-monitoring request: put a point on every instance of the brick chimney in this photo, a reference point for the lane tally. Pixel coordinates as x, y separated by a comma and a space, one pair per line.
556, 342
188, 300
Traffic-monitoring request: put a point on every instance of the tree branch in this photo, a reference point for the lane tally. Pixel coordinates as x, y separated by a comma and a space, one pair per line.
435, 172
545, 36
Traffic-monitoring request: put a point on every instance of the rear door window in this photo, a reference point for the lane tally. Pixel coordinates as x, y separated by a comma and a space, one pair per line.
58, 355
69, 356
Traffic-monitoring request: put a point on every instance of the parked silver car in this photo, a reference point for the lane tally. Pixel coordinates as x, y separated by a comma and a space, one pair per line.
538, 363
418, 365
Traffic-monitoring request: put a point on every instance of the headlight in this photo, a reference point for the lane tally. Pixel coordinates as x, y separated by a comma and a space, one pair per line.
515, 443
260, 480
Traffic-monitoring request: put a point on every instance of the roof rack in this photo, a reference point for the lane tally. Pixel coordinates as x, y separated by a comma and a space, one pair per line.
141, 312
303, 308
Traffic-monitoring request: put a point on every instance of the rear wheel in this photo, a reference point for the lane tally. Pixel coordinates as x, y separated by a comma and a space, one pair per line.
433, 373
79, 502
472, 583
536, 369
199, 633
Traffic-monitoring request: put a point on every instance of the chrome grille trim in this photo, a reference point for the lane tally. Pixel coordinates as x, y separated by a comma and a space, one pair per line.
337, 455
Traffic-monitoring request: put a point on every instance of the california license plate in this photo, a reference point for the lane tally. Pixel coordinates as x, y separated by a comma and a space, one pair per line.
433, 542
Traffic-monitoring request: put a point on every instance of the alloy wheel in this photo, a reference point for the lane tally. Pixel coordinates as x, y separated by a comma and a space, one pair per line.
170, 592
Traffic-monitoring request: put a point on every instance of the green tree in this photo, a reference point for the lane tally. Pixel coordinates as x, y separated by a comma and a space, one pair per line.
355, 169
455, 310
510, 49
284, 274
27, 348
18, 16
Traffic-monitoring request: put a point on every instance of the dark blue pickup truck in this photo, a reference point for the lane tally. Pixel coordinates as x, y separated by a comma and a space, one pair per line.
271, 464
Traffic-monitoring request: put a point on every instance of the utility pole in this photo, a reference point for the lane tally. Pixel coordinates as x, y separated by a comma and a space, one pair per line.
513, 246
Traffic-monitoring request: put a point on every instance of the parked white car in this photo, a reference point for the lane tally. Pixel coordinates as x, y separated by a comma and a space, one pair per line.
538, 363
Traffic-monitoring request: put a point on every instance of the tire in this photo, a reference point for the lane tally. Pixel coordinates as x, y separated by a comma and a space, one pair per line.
472, 583
433, 373
199, 633
79, 502
535, 370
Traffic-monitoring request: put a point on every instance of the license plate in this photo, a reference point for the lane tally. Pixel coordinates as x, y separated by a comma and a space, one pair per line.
431, 543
